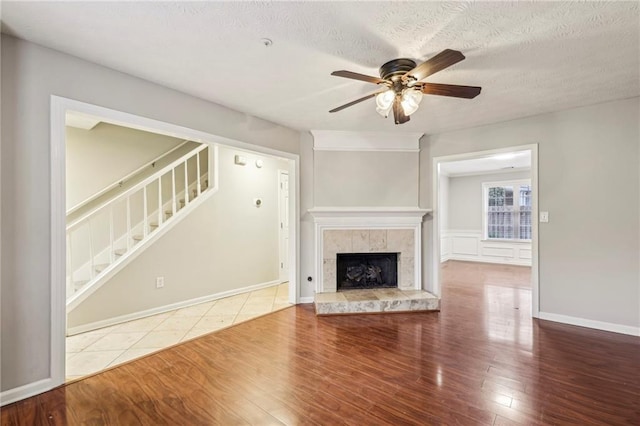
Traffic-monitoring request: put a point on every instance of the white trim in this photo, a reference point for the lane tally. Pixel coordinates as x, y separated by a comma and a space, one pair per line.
584, 322
125, 178
146, 182
349, 218
26, 391
59, 107
434, 282
358, 214
489, 172
294, 231
339, 140
166, 308
88, 289
58, 244
307, 299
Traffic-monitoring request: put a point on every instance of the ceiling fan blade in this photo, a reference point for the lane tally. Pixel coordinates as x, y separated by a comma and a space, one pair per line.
442, 60
356, 76
398, 113
467, 92
364, 98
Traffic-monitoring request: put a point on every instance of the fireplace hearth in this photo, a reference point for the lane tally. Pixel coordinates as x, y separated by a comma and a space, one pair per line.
366, 270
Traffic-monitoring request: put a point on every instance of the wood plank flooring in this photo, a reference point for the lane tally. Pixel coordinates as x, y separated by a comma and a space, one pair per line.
481, 360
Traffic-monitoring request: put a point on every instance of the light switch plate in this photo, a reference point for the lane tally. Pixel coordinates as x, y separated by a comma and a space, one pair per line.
240, 160
544, 217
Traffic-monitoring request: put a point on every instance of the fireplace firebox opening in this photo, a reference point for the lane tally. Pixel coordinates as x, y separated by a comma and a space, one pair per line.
367, 270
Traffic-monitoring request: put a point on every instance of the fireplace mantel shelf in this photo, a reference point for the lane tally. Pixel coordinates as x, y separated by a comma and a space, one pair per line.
369, 212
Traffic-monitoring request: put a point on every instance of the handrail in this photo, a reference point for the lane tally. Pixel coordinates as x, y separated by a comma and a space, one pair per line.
139, 185
126, 178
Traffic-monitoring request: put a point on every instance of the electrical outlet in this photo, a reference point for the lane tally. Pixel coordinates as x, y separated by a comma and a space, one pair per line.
159, 282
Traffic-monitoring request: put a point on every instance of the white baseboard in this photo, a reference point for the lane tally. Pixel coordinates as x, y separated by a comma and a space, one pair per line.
26, 391
308, 299
583, 322
161, 309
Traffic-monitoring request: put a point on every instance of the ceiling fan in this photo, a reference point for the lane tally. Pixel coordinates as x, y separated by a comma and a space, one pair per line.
402, 89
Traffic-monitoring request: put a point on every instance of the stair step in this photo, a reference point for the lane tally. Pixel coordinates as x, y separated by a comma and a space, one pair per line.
100, 267
137, 237
153, 225
119, 252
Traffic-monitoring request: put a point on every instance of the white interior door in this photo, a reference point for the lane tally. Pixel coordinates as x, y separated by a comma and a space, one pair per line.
283, 209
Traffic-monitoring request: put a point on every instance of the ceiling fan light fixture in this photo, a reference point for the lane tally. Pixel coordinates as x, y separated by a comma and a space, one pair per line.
403, 86
384, 102
410, 100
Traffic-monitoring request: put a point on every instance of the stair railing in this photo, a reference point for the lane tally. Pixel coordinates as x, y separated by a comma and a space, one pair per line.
145, 186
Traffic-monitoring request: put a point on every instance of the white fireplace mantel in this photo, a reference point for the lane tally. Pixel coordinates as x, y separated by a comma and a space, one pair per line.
367, 215
353, 219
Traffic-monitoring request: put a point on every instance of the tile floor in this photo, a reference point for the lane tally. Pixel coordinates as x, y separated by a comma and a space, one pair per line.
90, 352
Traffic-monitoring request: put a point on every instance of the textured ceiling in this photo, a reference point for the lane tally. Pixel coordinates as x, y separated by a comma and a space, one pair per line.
529, 57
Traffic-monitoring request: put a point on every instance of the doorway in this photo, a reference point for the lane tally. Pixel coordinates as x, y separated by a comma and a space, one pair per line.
464, 228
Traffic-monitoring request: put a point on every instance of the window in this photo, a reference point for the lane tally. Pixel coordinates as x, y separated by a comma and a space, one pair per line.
507, 210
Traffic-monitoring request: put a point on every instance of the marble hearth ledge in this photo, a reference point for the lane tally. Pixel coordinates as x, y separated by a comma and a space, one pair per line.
374, 301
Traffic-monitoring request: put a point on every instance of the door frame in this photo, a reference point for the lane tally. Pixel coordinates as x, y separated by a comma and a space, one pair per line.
281, 259
58, 109
435, 286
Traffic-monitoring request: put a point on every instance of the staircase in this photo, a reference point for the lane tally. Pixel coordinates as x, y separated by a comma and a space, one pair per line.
104, 240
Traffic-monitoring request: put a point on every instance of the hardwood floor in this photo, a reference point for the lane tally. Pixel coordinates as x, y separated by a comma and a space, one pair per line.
481, 360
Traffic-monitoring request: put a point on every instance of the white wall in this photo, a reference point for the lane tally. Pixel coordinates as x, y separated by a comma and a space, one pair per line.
365, 178
225, 244
101, 156
30, 75
589, 183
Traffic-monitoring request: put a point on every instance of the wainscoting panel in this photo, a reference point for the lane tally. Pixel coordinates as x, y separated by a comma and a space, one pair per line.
464, 245
497, 251
469, 246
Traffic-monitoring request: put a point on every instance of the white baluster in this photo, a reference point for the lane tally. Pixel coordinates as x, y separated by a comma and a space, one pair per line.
160, 201
198, 186
144, 211
112, 255
69, 264
173, 191
129, 236
186, 185
92, 271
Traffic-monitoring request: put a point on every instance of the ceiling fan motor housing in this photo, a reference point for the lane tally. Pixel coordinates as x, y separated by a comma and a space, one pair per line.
396, 68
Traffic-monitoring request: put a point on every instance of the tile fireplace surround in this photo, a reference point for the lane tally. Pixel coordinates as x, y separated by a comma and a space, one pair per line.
368, 230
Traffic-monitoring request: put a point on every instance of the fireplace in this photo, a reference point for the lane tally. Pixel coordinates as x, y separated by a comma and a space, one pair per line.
367, 270
368, 231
